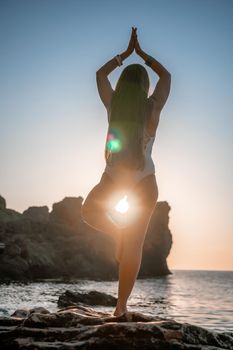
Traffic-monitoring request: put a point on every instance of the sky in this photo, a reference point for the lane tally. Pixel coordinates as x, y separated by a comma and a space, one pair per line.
53, 124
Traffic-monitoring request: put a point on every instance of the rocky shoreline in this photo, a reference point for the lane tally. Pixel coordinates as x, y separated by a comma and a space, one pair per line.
82, 327
78, 326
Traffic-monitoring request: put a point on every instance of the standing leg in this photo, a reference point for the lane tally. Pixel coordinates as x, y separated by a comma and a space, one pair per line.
133, 239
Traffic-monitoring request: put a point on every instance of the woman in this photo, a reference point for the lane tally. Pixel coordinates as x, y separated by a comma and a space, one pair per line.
133, 120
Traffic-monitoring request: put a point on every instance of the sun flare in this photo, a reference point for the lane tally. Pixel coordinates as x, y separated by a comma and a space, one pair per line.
122, 206
124, 209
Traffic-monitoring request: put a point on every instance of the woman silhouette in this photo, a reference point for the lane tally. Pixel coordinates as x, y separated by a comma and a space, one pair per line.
133, 120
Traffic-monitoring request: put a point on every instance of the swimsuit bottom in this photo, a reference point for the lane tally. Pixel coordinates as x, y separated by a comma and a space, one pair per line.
126, 190
130, 177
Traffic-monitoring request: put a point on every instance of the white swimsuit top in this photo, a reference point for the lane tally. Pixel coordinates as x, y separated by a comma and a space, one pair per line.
148, 144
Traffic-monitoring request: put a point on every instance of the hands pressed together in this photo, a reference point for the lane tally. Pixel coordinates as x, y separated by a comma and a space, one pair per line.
133, 42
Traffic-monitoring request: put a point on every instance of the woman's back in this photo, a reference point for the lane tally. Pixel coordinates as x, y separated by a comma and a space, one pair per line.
134, 176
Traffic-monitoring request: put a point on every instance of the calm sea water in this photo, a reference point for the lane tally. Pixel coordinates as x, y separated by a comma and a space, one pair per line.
203, 298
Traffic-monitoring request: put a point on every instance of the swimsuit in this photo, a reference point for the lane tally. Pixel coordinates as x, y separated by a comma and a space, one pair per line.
129, 178
134, 176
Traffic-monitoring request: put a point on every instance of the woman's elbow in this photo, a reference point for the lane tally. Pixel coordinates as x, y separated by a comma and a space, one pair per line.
100, 72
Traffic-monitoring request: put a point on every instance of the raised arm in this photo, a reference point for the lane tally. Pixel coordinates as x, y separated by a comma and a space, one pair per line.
162, 88
104, 87
103, 84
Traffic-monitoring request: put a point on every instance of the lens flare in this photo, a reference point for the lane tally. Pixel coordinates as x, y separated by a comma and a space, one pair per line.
125, 211
114, 140
114, 145
122, 206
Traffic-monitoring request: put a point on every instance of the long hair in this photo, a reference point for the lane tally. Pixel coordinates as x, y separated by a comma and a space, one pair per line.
128, 117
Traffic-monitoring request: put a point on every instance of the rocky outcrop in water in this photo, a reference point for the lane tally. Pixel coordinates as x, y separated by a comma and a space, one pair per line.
92, 297
39, 244
84, 328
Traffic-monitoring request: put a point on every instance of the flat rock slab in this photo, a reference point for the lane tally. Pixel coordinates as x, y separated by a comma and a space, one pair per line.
82, 327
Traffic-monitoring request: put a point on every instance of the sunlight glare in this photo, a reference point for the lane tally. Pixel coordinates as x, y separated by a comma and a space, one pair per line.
122, 206
125, 211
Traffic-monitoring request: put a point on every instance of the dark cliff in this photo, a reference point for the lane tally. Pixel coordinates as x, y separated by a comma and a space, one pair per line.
58, 244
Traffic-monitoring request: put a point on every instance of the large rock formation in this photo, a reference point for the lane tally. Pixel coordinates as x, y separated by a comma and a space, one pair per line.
37, 213
7, 214
157, 244
81, 327
39, 244
67, 211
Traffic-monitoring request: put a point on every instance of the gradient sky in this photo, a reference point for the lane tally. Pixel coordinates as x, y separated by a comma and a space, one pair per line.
53, 124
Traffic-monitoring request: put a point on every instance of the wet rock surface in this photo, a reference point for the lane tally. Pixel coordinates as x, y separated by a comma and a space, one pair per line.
82, 327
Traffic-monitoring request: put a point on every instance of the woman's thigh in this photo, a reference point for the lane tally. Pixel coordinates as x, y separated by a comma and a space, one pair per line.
101, 195
107, 193
144, 196
146, 192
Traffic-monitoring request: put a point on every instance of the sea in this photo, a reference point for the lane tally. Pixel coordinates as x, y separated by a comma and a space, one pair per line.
202, 298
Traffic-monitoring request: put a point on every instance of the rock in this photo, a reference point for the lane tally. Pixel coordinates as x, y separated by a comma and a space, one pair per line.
84, 328
64, 246
13, 250
2, 203
23, 313
21, 226
9, 215
157, 244
90, 298
15, 268
68, 211
3, 311
37, 213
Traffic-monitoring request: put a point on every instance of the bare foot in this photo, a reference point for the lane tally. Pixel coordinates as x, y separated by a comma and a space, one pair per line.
119, 311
